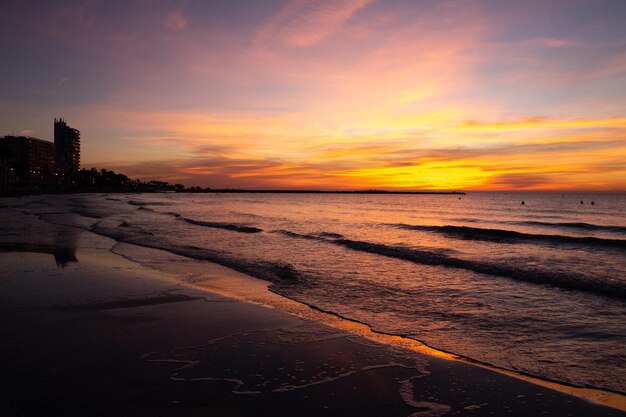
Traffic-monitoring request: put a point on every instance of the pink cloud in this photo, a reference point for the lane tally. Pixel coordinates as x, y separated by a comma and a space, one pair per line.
302, 23
557, 42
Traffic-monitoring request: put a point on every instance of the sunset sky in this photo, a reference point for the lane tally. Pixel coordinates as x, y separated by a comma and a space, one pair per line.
336, 94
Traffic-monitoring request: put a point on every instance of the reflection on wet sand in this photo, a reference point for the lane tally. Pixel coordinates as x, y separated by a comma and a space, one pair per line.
63, 256
63, 247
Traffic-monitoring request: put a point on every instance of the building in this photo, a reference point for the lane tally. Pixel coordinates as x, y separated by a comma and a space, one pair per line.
67, 144
28, 164
31, 164
7, 165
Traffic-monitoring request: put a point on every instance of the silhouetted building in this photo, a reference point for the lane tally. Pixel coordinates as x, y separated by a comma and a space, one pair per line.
27, 163
7, 166
67, 143
32, 164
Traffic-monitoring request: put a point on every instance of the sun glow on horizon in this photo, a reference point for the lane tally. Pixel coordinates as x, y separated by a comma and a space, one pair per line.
354, 94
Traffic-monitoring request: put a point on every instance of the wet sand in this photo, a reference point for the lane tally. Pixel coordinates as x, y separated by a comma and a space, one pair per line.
105, 336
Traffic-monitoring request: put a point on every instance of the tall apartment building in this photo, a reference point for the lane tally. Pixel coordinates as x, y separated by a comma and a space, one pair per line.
32, 164
67, 144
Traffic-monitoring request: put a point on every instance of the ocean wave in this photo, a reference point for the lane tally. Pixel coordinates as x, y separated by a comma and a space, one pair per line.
572, 225
324, 236
510, 236
242, 228
130, 227
330, 234
565, 281
297, 235
276, 272
555, 225
219, 225
148, 203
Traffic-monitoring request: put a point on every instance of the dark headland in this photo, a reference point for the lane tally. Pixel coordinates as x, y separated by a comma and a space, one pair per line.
235, 190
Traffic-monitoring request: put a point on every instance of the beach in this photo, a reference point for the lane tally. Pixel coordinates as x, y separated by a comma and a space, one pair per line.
313, 208
88, 331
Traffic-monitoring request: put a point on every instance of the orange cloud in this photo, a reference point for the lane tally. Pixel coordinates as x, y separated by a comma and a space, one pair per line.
545, 123
422, 151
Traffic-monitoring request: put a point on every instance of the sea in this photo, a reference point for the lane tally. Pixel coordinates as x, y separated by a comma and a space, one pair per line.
534, 283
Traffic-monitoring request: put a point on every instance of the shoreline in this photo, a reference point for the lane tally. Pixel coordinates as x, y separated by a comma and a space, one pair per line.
254, 290
151, 320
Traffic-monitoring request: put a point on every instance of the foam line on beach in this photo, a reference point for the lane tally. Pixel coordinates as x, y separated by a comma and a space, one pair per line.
266, 296
428, 409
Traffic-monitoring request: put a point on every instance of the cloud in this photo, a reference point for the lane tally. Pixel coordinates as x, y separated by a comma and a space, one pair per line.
346, 93
531, 166
224, 172
519, 181
540, 122
241, 149
175, 20
556, 42
302, 23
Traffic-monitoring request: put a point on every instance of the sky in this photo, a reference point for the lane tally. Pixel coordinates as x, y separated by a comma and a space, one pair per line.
327, 94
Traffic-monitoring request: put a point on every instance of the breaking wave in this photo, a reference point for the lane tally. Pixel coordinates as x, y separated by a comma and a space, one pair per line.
148, 203
510, 236
275, 272
565, 281
219, 225
574, 225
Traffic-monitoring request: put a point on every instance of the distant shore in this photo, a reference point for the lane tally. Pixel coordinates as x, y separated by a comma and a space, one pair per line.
229, 191
235, 191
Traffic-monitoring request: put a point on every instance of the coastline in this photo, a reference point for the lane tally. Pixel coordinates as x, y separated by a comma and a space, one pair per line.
233, 284
107, 320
